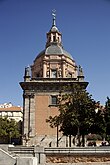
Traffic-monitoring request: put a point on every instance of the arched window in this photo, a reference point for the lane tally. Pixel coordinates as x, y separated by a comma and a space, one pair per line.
54, 39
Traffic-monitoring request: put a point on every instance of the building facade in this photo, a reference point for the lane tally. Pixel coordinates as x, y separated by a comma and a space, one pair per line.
52, 69
11, 111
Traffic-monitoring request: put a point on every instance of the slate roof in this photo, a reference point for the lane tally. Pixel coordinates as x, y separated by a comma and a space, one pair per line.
55, 50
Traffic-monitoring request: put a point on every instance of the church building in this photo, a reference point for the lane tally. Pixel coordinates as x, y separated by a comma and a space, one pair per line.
52, 69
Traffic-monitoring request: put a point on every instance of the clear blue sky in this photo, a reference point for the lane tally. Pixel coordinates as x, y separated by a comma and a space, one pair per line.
85, 25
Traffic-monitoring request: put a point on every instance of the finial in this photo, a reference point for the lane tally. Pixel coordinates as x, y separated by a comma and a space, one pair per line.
80, 71
80, 74
54, 17
27, 73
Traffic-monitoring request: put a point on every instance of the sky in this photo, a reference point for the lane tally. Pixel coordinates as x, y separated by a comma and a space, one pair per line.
85, 28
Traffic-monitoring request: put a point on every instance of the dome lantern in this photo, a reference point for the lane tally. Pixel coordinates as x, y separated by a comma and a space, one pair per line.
54, 36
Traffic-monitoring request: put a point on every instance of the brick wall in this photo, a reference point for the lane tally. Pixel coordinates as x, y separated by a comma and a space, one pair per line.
42, 112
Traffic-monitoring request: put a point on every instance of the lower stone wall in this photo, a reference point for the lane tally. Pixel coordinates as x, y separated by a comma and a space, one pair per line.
65, 156
76, 158
99, 163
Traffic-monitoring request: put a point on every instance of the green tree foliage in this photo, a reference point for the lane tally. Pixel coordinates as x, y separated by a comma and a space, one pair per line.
77, 115
9, 128
98, 126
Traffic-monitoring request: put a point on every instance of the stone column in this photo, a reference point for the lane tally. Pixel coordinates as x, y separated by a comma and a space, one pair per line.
44, 69
32, 116
63, 69
25, 114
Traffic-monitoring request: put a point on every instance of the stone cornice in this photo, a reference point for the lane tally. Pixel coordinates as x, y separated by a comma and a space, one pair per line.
46, 85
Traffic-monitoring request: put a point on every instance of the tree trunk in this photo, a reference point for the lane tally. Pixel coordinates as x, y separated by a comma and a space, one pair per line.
69, 140
78, 137
83, 140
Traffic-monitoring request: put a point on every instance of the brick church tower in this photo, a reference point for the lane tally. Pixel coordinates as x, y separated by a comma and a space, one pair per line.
52, 69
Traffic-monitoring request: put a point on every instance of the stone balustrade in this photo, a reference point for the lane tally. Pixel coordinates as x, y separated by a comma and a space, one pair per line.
75, 156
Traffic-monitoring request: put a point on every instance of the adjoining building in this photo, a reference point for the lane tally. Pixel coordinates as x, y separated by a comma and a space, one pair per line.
53, 68
11, 111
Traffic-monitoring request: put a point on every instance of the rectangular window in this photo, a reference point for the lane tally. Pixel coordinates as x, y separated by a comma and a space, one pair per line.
53, 100
9, 113
54, 73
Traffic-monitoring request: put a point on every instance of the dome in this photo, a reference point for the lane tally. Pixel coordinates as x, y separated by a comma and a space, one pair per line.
54, 29
54, 50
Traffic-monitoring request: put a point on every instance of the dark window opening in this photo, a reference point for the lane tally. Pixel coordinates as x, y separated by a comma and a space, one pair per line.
54, 73
58, 39
54, 38
37, 75
53, 100
49, 39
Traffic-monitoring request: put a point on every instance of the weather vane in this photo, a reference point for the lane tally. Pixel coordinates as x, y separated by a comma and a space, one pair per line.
54, 13
54, 16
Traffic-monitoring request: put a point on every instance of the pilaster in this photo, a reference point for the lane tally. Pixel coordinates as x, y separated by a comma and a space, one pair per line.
63, 69
29, 116
44, 69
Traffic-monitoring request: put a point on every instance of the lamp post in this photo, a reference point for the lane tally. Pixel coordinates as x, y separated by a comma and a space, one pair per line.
57, 136
10, 137
59, 100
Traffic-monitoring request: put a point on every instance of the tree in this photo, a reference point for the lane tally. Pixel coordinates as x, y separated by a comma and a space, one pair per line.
99, 125
9, 129
76, 112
